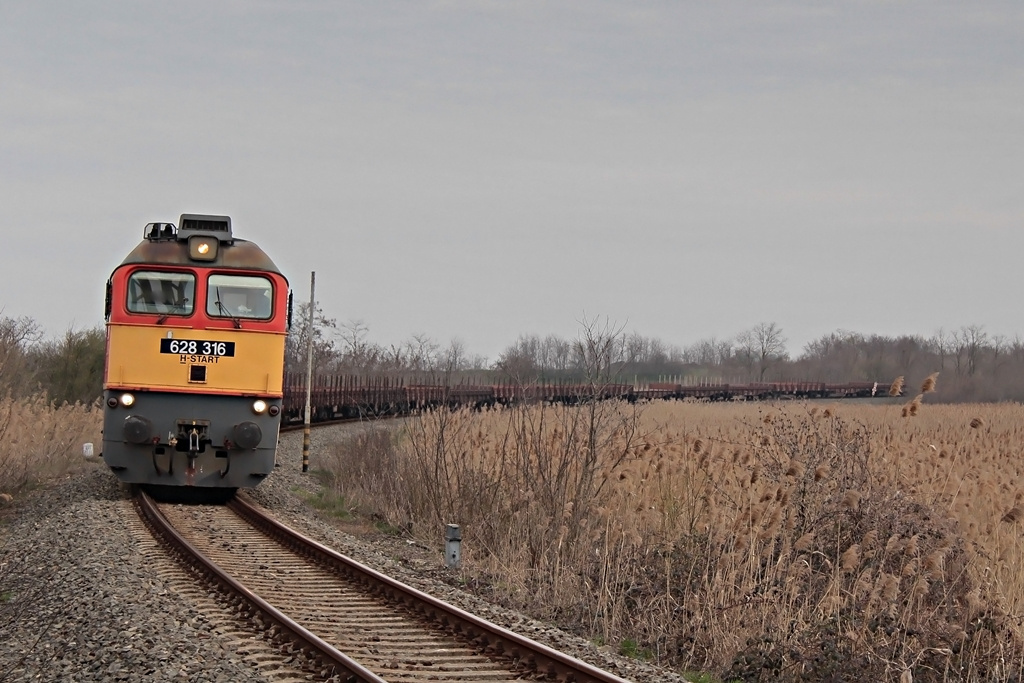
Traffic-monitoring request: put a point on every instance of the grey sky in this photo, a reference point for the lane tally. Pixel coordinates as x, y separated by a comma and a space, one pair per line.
480, 170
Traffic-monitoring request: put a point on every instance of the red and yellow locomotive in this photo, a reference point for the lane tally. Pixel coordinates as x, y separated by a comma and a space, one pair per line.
196, 328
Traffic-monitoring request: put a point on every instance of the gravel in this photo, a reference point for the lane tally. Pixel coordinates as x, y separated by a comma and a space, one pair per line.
78, 602
82, 597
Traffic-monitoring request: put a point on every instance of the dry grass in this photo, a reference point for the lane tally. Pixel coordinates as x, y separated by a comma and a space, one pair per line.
39, 441
757, 542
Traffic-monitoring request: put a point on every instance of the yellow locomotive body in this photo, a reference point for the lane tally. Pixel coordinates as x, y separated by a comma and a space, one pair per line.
244, 375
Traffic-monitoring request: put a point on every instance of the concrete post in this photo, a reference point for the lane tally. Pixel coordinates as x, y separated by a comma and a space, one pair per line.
309, 371
452, 545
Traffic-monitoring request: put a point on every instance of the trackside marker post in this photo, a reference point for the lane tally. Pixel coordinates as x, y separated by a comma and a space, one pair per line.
452, 545
309, 370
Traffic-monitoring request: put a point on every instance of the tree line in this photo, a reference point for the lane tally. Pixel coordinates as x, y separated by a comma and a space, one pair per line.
974, 365
66, 369
345, 348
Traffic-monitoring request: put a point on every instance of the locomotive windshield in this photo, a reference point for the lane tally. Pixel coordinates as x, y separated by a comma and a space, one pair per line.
168, 293
239, 296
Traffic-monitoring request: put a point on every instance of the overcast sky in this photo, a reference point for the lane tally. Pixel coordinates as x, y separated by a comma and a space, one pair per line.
482, 170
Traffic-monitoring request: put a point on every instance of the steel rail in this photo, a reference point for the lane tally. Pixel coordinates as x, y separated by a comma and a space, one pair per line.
533, 656
297, 426
309, 642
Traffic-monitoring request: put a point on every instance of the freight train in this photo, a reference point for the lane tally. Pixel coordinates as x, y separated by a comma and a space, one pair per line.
347, 396
193, 383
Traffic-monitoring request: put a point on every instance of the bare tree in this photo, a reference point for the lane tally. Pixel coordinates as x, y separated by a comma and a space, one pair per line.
943, 343
353, 335
421, 352
323, 331
763, 345
454, 357
967, 344
520, 362
1016, 349
974, 338
16, 336
598, 349
709, 351
635, 348
394, 357
1000, 347
558, 353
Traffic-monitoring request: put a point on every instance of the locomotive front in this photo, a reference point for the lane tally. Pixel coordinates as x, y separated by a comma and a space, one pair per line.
196, 328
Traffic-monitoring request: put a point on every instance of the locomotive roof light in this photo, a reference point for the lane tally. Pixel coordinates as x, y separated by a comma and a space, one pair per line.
259, 406
203, 248
204, 234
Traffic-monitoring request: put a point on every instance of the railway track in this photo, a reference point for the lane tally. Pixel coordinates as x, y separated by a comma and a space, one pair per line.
340, 619
334, 421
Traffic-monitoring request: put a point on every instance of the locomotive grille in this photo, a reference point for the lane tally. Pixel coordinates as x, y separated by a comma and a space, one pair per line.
197, 374
205, 225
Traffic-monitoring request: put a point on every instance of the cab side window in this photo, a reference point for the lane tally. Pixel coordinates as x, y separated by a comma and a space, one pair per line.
165, 293
239, 296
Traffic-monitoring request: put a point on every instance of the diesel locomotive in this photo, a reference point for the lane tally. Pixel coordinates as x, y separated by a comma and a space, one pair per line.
196, 326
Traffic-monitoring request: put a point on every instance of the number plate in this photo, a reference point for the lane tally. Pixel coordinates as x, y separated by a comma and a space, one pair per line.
197, 347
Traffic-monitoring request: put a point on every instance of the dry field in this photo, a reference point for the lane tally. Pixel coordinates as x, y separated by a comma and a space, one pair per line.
793, 541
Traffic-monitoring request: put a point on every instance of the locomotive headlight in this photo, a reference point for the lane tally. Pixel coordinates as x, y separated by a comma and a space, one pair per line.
202, 248
127, 400
259, 406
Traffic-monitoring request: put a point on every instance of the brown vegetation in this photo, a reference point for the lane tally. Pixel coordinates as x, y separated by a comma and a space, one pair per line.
39, 440
47, 393
756, 542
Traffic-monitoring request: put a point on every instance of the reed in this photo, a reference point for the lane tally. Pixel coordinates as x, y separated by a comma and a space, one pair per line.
40, 441
756, 542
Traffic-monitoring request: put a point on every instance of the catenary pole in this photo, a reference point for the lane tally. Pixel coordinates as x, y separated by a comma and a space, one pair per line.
309, 370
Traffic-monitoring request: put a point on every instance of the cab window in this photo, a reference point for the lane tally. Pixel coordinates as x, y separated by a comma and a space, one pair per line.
239, 296
165, 293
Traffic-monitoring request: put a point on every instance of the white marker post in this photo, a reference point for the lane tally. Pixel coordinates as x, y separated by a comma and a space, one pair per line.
452, 545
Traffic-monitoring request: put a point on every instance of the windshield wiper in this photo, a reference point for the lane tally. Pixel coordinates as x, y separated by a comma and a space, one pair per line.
174, 310
225, 312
